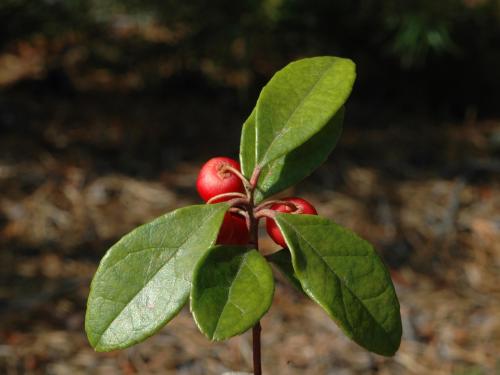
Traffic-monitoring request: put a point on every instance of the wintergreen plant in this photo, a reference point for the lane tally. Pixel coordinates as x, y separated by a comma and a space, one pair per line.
146, 278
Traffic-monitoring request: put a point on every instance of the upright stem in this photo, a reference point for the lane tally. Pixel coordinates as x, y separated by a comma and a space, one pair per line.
254, 241
257, 368
253, 228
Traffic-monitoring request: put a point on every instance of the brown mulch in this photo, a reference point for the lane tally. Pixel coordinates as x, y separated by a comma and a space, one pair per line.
440, 235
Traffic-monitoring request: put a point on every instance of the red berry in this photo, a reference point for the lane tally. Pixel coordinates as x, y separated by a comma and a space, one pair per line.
233, 230
303, 206
213, 179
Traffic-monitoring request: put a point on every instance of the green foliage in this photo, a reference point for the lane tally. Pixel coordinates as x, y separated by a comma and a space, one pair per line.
345, 276
283, 261
247, 146
298, 102
233, 288
145, 278
291, 168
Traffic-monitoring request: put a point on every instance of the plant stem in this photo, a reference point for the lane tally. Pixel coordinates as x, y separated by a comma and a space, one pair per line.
265, 213
226, 195
254, 241
253, 228
264, 205
257, 367
246, 184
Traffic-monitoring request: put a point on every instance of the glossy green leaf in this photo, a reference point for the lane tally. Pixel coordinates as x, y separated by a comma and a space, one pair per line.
247, 146
298, 102
287, 170
345, 276
233, 288
299, 163
283, 261
145, 278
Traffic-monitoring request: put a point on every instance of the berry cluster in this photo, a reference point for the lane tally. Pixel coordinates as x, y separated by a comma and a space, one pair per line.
220, 180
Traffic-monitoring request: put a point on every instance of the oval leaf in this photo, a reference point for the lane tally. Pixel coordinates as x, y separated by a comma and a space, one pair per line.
345, 276
145, 278
293, 167
247, 146
233, 288
286, 171
299, 163
297, 102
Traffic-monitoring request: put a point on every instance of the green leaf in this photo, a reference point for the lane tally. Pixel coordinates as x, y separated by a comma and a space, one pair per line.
297, 102
283, 261
287, 170
345, 276
145, 278
291, 168
247, 146
233, 288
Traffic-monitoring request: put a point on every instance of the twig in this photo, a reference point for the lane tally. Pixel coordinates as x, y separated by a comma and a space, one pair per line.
239, 211
253, 227
257, 367
226, 195
276, 201
265, 213
246, 184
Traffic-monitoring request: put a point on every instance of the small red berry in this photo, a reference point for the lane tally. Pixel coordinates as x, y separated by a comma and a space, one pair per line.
302, 207
233, 230
214, 179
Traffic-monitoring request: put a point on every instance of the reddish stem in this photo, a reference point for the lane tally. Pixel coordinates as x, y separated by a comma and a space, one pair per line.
226, 195
265, 213
255, 177
257, 367
239, 211
292, 205
239, 202
246, 184
253, 228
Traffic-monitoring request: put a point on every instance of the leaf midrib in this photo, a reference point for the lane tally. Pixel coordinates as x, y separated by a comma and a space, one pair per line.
340, 279
175, 253
228, 295
282, 131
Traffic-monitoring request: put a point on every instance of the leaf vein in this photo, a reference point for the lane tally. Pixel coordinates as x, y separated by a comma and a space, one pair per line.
228, 296
152, 276
336, 275
284, 129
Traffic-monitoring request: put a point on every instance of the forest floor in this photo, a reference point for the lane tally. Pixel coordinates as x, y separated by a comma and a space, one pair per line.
79, 172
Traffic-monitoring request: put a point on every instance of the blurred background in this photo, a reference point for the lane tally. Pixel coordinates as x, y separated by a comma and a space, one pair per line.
108, 108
